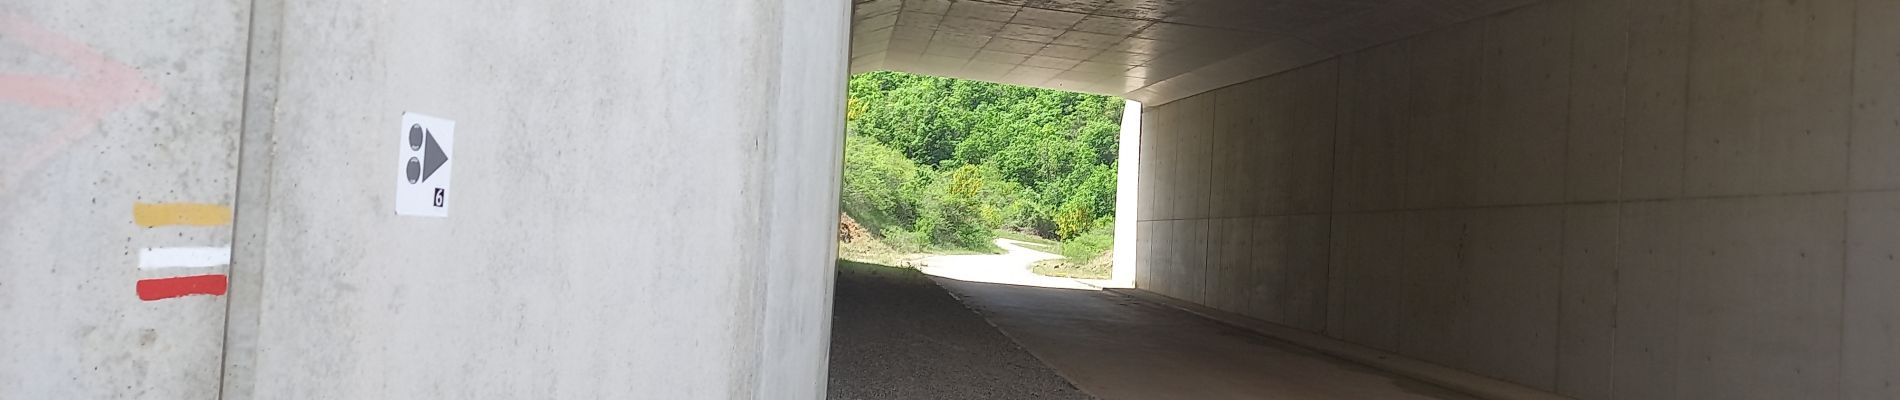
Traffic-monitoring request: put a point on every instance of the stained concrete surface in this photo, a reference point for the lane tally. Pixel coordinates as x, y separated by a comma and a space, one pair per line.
643, 195
1599, 199
896, 335
1148, 50
613, 235
105, 105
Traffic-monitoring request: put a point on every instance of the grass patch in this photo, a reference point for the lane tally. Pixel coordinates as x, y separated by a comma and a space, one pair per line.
892, 245
1088, 244
1024, 237
899, 240
900, 249
1038, 246
1100, 267
873, 251
850, 266
1086, 256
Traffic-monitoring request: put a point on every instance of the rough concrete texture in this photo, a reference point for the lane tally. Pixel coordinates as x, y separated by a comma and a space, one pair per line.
1146, 50
897, 335
644, 195
804, 153
1602, 199
105, 105
643, 198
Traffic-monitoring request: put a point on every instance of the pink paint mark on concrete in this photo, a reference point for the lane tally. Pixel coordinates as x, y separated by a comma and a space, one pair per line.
100, 87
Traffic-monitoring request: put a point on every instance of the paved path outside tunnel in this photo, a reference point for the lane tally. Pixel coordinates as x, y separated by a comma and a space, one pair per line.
1117, 347
1011, 267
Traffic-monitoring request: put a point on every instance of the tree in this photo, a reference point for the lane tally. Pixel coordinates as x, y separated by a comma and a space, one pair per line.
979, 156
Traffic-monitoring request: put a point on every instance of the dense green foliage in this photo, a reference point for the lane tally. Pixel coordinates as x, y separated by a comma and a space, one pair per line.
939, 162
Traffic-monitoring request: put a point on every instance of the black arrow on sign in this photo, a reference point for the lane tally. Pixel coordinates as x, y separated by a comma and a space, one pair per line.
433, 157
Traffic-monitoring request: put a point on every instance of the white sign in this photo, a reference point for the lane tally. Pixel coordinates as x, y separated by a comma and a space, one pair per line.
427, 144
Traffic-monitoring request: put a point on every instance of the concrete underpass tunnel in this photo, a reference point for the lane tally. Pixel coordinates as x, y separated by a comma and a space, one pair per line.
1018, 324
1594, 199
1591, 199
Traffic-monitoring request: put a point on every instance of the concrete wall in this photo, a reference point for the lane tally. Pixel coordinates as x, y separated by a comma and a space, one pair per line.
103, 106
1127, 187
1604, 199
627, 224
645, 192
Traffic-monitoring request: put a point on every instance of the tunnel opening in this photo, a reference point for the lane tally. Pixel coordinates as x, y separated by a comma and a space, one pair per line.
941, 166
981, 183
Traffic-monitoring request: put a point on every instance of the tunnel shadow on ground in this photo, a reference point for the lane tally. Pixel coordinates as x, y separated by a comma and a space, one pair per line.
901, 334
897, 335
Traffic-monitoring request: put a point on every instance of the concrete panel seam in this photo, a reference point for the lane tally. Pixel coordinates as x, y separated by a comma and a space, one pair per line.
1332, 197
1563, 224
251, 222
1847, 232
1207, 196
1682, 183
1622, 165
1612, 202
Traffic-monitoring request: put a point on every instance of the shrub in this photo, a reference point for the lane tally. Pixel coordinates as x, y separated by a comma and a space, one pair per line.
945, 162
953, 210
876, 179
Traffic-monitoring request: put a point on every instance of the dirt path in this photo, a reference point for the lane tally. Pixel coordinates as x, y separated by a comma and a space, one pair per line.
1011, 267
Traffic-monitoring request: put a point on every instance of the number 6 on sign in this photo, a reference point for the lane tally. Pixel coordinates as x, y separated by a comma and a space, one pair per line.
424, 152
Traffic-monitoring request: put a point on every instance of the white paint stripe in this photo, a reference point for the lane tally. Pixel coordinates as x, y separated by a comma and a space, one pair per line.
183, 257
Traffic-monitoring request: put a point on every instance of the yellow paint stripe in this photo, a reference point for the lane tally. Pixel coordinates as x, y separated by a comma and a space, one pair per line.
164, 214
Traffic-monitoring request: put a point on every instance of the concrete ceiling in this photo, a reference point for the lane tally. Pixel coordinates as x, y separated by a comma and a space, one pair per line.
1153, 51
